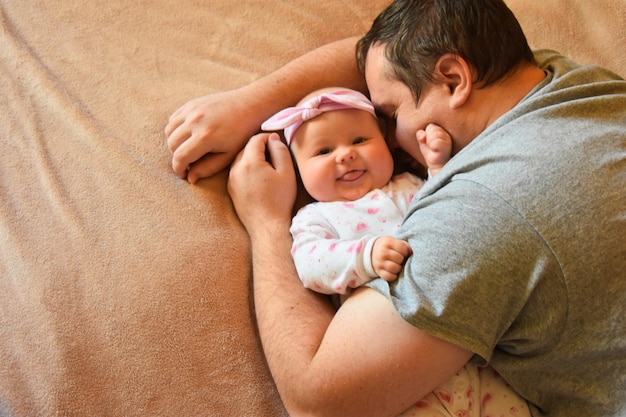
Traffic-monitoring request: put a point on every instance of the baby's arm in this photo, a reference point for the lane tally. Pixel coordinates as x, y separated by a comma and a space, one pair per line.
326, 263
388, 256
330, 265
436, 147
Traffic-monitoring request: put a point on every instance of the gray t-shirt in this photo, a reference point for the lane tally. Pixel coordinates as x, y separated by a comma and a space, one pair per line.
520, 245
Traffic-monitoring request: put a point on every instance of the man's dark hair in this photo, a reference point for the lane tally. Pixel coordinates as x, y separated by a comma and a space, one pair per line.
416, 33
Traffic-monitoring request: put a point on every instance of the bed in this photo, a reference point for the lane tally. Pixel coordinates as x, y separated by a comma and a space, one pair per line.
125, 291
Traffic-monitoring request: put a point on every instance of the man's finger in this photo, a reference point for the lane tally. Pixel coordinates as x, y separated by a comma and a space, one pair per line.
279, 154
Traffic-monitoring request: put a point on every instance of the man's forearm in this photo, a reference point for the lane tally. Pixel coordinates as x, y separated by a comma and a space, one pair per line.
292, 320
333, 64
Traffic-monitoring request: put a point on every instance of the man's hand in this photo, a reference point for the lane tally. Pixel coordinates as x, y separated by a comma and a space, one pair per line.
388, 256
263, 191
205, 134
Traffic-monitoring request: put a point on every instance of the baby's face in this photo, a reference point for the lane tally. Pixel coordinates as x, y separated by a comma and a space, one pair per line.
342, 155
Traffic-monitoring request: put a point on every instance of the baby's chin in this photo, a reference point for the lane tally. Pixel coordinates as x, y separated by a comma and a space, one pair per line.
354, 195
343, 195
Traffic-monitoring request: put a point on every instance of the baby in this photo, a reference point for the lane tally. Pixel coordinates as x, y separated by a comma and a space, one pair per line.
345, 238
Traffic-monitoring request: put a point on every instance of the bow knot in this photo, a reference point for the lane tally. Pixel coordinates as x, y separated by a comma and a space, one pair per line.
291, 118
309, 113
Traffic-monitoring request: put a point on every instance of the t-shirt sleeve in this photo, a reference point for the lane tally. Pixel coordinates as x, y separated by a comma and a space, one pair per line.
479, 276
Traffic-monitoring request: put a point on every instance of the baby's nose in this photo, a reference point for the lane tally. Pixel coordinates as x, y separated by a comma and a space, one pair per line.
346, 154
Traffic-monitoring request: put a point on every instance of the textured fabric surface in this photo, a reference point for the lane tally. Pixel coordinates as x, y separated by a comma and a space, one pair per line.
123, 290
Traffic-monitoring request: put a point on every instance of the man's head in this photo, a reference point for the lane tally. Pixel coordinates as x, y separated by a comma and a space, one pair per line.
458, 64
416, 33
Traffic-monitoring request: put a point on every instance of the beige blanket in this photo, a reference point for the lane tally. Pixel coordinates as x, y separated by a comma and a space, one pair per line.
124, 291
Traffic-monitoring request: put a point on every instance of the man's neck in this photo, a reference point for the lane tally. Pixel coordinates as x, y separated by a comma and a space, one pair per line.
510, 90
489, 103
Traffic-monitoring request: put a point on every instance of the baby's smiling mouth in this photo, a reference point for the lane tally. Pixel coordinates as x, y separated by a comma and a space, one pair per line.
353, 175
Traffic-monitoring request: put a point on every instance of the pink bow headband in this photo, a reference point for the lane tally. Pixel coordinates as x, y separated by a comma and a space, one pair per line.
291, 118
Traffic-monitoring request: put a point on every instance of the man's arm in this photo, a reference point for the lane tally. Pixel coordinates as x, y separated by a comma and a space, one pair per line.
206, 133
363, 360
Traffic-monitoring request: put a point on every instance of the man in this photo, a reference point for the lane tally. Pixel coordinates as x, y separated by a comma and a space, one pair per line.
518, 245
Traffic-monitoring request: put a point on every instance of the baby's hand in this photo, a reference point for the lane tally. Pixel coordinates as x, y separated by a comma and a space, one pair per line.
388, 255
436, 147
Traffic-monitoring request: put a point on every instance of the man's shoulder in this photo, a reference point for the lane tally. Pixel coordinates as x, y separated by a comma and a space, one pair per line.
560, 66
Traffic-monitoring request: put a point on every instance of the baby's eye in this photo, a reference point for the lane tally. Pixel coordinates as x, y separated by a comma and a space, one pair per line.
324, 151
359, 140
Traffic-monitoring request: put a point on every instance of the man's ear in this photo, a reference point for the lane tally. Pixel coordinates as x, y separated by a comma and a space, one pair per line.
456, 76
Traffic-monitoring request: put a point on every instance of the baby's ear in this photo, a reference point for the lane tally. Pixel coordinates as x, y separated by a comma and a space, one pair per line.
456, 76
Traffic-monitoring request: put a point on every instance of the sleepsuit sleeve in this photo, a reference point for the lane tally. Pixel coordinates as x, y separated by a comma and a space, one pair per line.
325, 262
